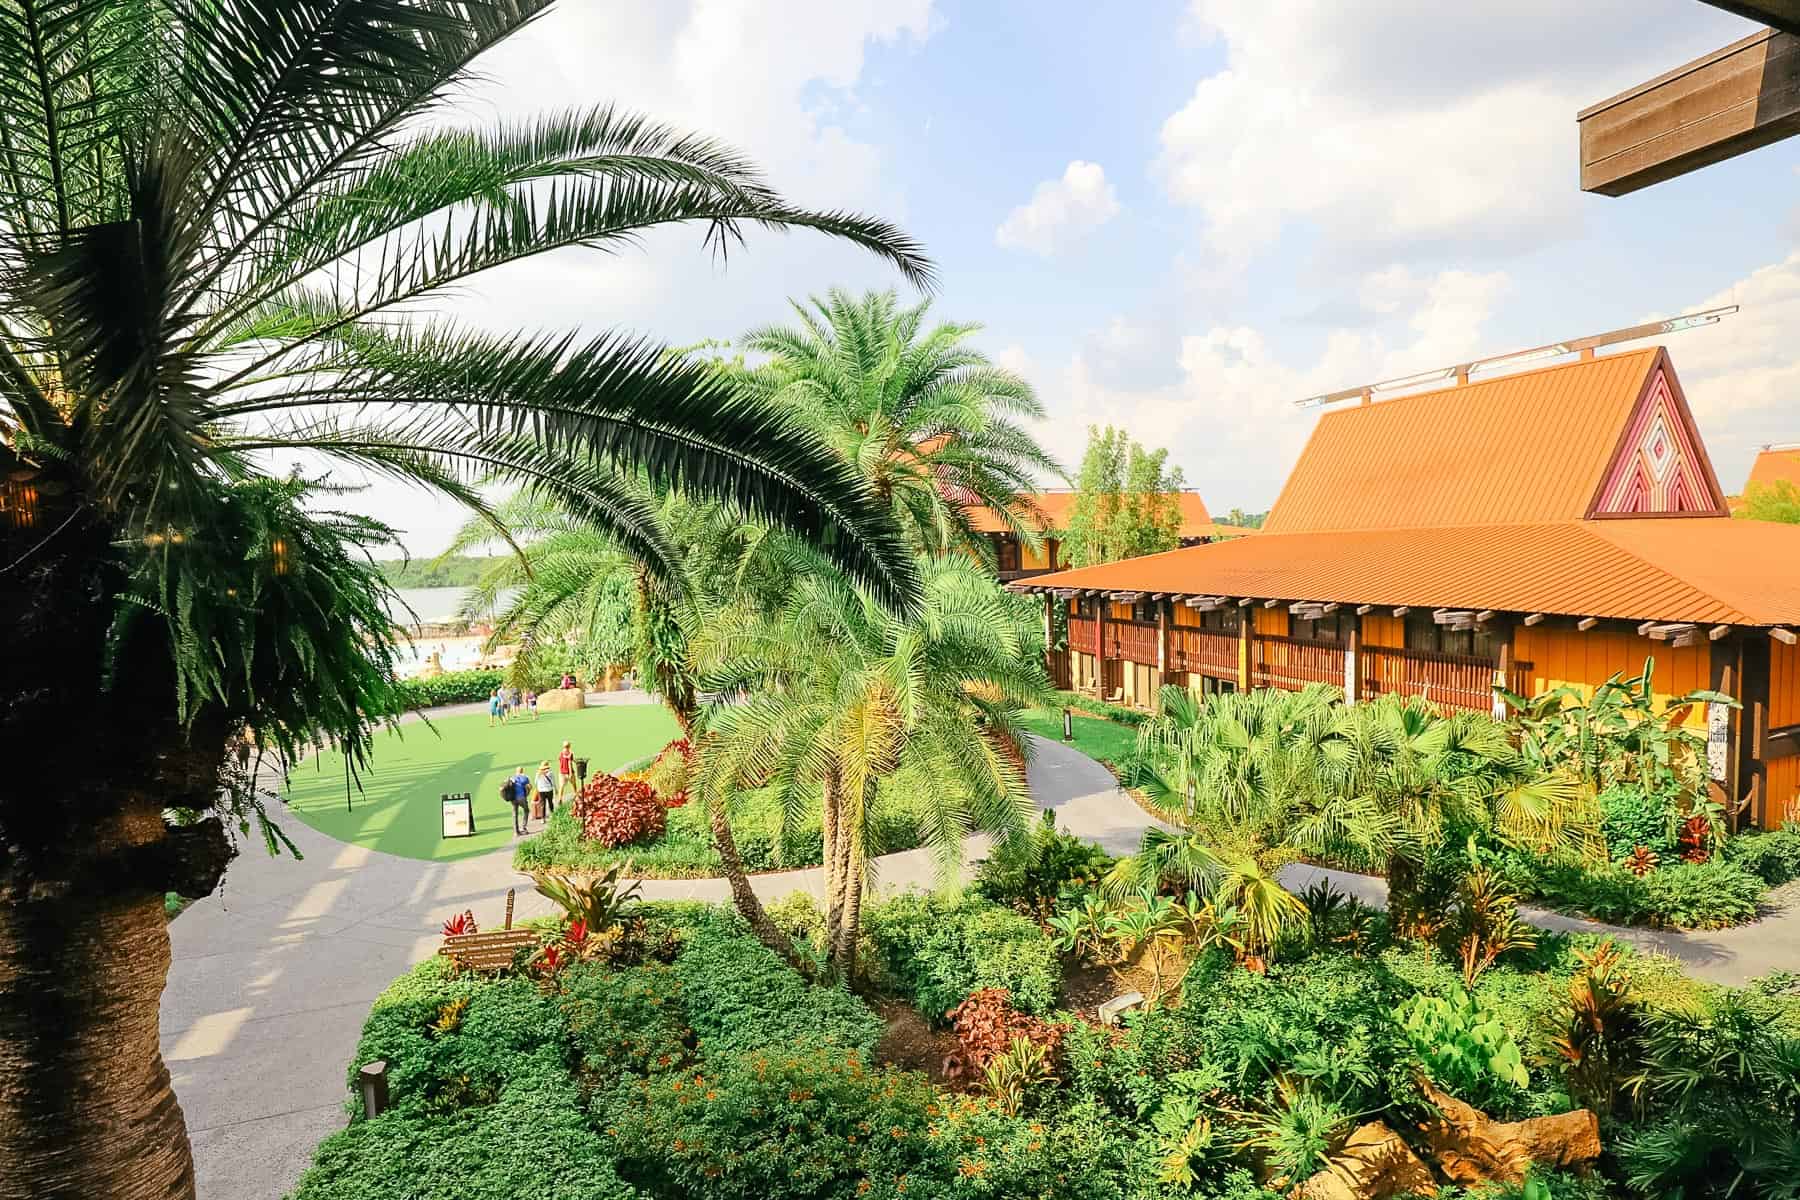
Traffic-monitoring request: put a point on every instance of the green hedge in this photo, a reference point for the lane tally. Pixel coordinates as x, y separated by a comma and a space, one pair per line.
936, 950
452, 687
1709, 895
1099, 708
1771, 855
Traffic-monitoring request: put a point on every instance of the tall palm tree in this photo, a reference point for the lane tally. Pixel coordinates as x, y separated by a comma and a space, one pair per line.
930, 422
219, 221
844, 704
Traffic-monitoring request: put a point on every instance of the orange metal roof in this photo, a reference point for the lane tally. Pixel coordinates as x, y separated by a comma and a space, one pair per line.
1517, 449
1775, 464
1711, 570
1057, 505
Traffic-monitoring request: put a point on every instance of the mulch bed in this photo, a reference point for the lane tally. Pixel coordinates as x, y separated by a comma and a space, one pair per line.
912, 1044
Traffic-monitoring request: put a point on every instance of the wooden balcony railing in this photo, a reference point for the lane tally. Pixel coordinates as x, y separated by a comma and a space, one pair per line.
1455, 681
1132, 641
1203, 652
1081, 635
1293, 663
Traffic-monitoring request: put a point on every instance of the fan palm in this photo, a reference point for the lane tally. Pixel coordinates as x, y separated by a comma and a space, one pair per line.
847, 705
930, 423
219, 222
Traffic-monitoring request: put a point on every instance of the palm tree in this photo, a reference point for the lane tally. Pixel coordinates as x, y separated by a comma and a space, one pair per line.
929, 422
219, 220
847, 705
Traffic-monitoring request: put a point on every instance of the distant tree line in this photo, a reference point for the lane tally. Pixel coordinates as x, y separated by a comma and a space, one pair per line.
454, 571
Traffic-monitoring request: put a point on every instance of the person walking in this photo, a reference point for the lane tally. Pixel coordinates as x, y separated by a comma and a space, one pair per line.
493, 707
509, 792
522, 789
546, 790
531, 702
565, 771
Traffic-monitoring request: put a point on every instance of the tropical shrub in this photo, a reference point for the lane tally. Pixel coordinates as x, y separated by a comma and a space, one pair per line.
1485, 923
1099, 708
1464, 1046
596, 902
740, 997
936, 950
625, 1021
1631, 817
452, 687
1710, 895
1036, 875
987, 1024
534, 1139
1771, 855
668, 773
1593, 1034
619, 812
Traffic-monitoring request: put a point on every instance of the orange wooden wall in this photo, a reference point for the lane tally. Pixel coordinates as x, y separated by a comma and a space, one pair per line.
1271, 621
1120, 611
1185, 616
1384, 630
1586, 660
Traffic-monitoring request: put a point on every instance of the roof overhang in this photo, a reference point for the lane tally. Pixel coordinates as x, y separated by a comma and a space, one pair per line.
1734, 100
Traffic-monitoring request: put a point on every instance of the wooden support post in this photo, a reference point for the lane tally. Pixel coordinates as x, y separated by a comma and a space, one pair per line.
1352, 671
1246, 631
1503, 675
509, 909
1753, 693
1102, 610
1723, 677
1162, 637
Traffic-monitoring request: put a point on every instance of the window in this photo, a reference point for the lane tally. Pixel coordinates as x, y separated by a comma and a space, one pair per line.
1425, 634
1333, 627
1228, 620
1144, 610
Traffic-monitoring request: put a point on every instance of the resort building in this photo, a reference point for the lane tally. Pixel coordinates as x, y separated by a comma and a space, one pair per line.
1775, 464
1555, 526
1054, 506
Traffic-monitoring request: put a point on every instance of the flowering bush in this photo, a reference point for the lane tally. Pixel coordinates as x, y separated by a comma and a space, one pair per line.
617, 812
986, 1026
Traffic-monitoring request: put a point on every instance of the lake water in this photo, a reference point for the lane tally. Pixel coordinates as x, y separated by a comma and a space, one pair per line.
437, 606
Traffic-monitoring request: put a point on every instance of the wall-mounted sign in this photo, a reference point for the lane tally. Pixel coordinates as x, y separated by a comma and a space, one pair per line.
458, 814
1718, 739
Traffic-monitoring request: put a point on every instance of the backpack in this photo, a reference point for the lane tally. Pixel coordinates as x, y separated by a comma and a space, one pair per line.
506, 791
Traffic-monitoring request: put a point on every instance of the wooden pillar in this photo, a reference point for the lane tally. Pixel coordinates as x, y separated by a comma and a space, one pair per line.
1753, 725
1162, 636
1246, 631
1352, 671
1723, 677
1503, 675
1049, 598
1050, 551
1102, 610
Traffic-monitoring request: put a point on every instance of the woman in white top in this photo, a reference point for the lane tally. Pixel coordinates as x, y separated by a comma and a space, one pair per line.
546, 789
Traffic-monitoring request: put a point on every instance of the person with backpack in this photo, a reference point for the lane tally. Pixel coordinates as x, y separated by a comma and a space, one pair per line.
510, 793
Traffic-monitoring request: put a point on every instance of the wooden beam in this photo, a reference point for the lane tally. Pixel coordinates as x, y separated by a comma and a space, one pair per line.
1270, 603
1784, 636
1126, 597
1329, 608
1450, 616
1246, 602
1717, 632
1363, 610
1401, 610
1587, 623
1669, 632
1736, 99
1645, 627
1484, 616
1534, 618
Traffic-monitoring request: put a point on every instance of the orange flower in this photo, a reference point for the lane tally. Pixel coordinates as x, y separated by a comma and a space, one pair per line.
862, 1186
680, 1145
712, 1095
896, 1132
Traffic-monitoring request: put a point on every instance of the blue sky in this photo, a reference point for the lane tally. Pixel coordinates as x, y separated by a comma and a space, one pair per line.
1182, 216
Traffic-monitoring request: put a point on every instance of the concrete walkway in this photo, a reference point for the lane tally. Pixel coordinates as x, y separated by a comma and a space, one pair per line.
273, 976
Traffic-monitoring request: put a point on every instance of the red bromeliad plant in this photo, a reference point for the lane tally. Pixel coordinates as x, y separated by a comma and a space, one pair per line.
462, 922
1695, 838
986, 1025
617, 812
1641, 862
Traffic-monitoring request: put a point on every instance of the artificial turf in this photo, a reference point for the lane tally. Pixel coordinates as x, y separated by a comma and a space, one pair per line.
397, 810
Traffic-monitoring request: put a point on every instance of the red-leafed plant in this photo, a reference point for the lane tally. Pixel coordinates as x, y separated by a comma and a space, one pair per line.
986, 1025
1695, 838
1641, 861
462, 922
617, 812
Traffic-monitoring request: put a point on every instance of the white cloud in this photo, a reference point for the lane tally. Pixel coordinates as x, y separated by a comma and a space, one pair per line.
1402, 126
1061, 211
1230, 420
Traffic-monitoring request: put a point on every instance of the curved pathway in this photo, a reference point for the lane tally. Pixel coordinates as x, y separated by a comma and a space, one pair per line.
274, 974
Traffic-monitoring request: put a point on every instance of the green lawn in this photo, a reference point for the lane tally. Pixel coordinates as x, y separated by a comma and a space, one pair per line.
397, 810
1105, 740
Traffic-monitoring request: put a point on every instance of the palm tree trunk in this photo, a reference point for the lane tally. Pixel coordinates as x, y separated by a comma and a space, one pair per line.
86, 1110
844, 957
830, 849
742, 895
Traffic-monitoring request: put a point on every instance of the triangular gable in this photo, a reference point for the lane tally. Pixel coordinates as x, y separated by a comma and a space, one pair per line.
1660, 466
